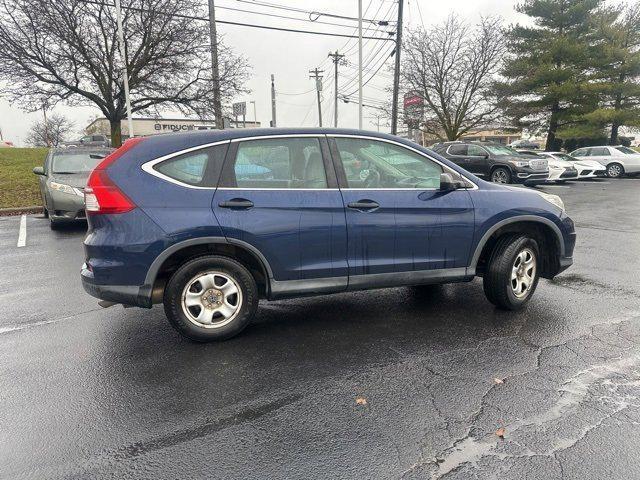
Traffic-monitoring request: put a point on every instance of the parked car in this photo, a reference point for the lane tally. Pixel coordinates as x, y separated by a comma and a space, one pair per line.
89, 141
618, 160
6, 144
560, 170
209, 244
62, 181
526, 144
585, 168
496, 162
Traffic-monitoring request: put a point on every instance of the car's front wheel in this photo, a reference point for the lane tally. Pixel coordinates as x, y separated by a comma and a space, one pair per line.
512, 271
615, 170
210, 298
501, 175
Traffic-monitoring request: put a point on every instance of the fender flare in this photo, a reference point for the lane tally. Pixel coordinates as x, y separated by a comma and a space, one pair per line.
152, 273
516, 219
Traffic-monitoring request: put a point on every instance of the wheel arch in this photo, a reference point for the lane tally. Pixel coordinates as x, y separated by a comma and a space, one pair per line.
501, 165
175, 255
543, 230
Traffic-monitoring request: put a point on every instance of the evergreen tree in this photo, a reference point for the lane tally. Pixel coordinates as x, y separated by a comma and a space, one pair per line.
618, 74
546, 77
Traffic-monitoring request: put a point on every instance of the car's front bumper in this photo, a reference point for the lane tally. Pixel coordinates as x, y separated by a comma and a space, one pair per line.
66, 207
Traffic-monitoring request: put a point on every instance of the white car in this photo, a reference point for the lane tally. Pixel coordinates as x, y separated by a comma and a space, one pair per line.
618, 160
560, 170
586, 168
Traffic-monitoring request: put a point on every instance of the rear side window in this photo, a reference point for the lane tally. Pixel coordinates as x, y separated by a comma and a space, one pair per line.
199, 168
598, 151
277, 163
477, 151
457, 150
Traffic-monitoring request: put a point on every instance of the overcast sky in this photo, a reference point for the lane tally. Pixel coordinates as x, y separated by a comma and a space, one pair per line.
289, 56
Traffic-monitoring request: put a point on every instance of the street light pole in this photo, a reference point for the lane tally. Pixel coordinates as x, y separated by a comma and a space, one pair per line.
273, 101
255, 118
123, 54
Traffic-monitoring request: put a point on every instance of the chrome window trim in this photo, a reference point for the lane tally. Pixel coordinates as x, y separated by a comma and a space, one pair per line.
284, 135
454, 154
266, 189
402, 145
148, 166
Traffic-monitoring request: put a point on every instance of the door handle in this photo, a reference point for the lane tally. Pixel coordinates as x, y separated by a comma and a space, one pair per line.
238, 203
363, 205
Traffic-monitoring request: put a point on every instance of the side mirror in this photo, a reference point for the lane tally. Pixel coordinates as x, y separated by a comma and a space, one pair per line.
448, 184
38, 170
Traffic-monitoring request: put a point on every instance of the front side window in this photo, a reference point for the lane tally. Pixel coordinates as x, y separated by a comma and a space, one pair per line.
582, 152
374, 164
191, 167
501, 150
279, 163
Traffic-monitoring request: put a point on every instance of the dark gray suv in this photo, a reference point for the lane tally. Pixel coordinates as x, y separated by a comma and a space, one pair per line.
495, 162
62, 181
89, 141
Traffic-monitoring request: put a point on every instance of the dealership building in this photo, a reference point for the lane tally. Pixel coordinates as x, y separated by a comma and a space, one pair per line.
154, 126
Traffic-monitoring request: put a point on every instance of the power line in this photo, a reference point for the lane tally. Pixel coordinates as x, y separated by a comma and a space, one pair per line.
311, 13
241, 24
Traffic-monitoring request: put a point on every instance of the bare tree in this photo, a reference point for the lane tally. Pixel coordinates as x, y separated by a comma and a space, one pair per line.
51, 134
452, 66
67, 51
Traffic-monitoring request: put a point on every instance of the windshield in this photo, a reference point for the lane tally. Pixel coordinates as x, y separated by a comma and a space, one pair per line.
76, 162
501, 150
626, 150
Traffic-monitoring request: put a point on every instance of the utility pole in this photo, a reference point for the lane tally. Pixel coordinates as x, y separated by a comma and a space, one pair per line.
396, 73
273, 102
255, 117
123, 54
360, 63
336, 57
215, 73
316, 74
46, 123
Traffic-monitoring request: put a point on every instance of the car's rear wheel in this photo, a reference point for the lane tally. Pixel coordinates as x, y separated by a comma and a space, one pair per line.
501, 175
615, 170
210, 298
512, 272
54, 224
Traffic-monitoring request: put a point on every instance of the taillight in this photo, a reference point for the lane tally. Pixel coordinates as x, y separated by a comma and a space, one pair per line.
102, 195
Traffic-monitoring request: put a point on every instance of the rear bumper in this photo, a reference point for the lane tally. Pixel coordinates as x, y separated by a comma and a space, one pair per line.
134, 295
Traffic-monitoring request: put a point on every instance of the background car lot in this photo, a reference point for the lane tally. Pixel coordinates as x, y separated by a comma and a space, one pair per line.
89, 392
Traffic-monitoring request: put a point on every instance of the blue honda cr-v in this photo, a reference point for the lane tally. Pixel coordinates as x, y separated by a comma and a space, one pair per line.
210, 222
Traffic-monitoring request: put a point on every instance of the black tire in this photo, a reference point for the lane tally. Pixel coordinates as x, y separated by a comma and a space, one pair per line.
53, 224
45, 212
501, 175
497, 278
185, 274
615, 170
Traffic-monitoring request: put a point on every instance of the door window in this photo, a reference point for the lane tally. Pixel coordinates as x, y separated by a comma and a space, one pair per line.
278, 163
599, 152
477, 151
457, 150
580, 153
374, 164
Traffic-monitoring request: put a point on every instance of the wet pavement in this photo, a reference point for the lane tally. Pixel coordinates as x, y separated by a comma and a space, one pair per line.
87, 392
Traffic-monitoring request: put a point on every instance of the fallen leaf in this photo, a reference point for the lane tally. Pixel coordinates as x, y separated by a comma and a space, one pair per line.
500, 432
498, 380
361, 401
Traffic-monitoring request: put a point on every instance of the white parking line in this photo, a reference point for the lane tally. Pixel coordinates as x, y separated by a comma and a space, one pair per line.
22, 236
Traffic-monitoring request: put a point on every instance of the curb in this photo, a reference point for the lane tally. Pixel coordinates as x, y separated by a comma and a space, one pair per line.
7, 212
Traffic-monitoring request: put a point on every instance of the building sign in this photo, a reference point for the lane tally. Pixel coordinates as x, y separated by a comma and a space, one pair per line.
173, 127
239, 109
413, 108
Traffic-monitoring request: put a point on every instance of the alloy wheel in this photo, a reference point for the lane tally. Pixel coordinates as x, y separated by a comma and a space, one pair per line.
499, 176
614, 170
523, 273
211, 299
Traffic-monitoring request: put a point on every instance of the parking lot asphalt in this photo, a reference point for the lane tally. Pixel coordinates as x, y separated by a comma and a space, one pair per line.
397, 383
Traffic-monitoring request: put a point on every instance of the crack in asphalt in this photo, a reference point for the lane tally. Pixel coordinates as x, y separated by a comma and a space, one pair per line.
470, 449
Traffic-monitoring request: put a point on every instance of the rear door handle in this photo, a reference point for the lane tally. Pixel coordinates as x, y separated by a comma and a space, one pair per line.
363, 205
238, 203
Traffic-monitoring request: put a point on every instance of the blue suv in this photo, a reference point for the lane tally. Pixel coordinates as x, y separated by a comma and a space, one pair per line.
208, 223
